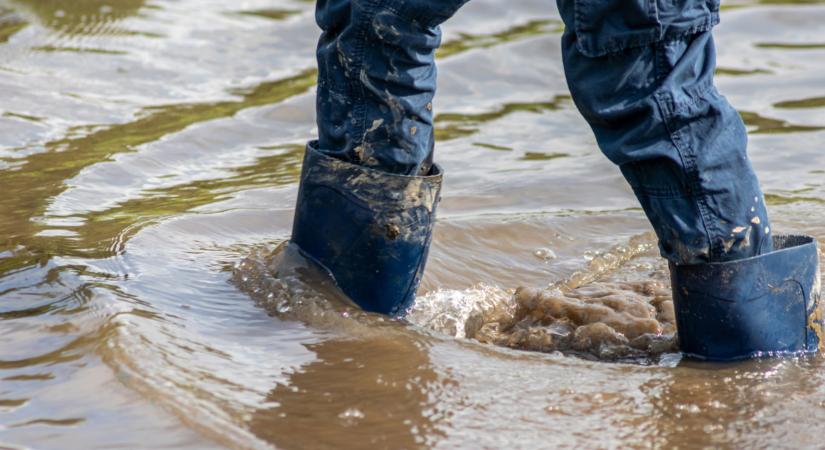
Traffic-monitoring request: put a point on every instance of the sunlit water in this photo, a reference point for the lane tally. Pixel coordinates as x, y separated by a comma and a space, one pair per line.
149, 153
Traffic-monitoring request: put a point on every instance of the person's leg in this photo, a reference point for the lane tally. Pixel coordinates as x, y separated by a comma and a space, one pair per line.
377, 79
641, 73
643, 79
369, 189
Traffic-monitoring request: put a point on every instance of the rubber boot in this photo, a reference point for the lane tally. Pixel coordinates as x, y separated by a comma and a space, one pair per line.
768, 305
369, 229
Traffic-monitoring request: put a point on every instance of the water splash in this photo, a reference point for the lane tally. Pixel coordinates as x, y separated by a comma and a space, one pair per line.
609, 310
290, 286
456, 312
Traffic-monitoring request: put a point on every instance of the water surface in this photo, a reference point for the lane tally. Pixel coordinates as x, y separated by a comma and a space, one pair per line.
148, 147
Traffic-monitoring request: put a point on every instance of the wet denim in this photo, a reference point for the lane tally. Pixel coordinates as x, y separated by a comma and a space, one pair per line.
377, 79
639, 71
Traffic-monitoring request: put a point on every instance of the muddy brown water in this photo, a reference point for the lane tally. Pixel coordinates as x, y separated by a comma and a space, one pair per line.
149, 152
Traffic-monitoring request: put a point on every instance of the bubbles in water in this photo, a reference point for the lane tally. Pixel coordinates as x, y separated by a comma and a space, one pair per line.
351, 415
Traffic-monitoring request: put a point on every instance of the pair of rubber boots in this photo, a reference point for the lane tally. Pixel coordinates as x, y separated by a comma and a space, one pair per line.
371, 231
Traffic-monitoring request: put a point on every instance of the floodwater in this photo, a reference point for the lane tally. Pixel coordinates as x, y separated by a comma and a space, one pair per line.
149, 153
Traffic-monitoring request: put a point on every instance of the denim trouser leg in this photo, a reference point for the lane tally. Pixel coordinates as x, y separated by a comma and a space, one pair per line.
641, 73
376, 80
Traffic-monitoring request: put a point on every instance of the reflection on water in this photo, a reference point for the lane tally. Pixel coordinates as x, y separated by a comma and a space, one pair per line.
792, 45
92, 17
273, 14
731, 71
713, 398
468, 41
379, 393
758, 124
10, 23
453, 125
816, 102
149, 154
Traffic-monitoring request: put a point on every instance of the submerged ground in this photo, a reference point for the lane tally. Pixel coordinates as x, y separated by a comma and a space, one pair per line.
147, 147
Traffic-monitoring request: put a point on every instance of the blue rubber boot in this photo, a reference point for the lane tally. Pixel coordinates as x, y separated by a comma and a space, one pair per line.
369, 229
767, 305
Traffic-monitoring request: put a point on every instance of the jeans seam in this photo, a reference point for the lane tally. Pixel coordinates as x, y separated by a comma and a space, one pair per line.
660, 58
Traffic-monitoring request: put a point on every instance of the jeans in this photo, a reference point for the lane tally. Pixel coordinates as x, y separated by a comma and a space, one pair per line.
639, 71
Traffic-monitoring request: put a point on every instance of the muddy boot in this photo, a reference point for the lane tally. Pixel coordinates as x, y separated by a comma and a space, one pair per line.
768, 305
370, 229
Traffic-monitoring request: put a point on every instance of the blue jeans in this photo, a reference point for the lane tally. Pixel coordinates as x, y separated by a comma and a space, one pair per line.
639, 71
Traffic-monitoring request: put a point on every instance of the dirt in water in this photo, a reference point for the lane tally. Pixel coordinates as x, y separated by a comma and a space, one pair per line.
608, 321
630, 318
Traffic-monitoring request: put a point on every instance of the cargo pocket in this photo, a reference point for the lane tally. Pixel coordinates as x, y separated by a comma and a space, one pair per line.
609, 26
429, 13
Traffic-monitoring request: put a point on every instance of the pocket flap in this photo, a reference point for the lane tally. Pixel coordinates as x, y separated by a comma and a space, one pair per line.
609, 26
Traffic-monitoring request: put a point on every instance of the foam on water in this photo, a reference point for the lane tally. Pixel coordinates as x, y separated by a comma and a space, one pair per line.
609, 310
